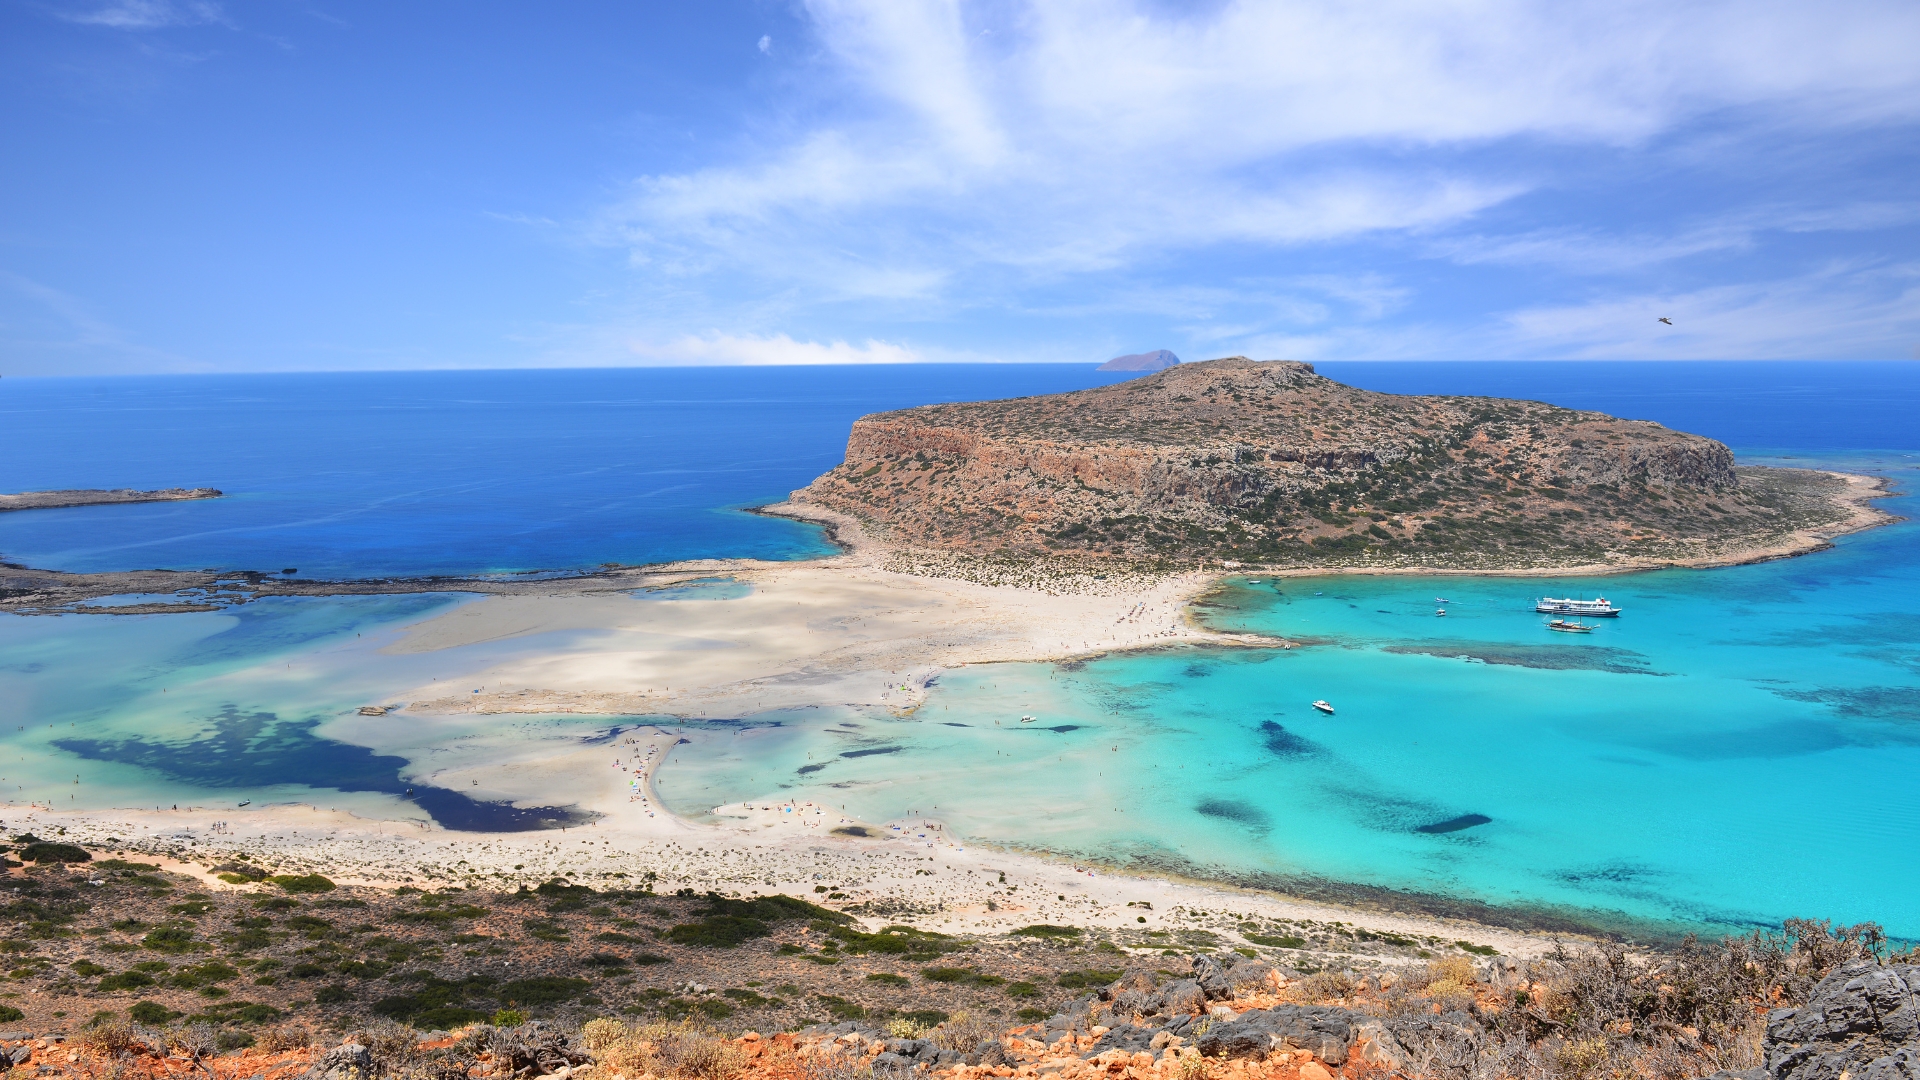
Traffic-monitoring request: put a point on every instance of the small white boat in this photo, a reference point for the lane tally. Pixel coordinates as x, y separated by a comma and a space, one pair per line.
1027, 719
1441, 600
1323, 707
1441, 611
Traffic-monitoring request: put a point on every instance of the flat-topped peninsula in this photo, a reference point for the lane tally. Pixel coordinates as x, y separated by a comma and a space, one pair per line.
48, 500
1269, 463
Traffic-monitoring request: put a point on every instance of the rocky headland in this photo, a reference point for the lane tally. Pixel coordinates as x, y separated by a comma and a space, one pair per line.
1273, 465
48, 500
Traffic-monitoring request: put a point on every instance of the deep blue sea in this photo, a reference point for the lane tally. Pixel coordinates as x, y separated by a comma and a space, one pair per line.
1738, 748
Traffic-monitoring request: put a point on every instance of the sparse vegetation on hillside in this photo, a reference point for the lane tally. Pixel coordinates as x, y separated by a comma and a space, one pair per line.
1274, 465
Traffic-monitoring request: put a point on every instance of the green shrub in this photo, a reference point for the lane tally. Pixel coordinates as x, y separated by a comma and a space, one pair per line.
255, 1014
1047, 930
719, 931
925, 1017
332, 994
11, 1015
1085, 980
840, 1008
888, 979
1031, 1015
508, 1018
87, 969
541, 990
945, 974
126, 980
151, 1013
1285, 941
170, 939
249, 940
44, 852
302, 883
1022, 990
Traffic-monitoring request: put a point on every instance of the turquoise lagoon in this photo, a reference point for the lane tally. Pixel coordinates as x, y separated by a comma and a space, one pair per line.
1741, 746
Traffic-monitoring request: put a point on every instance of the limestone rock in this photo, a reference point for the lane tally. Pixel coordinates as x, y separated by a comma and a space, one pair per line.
1861, 1022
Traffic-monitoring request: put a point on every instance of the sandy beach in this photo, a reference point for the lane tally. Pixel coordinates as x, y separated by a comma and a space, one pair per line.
847, 631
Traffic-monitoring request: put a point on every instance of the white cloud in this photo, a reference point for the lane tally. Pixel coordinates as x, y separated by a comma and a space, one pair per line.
149, 14
748, 349
1842, 311
766, 43
1089, 134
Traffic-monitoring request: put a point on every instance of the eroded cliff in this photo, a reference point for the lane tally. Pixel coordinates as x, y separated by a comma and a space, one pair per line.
1270, 462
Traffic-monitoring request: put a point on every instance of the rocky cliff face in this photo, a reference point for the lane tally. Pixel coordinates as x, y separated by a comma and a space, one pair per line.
1862, 1021
1272, 462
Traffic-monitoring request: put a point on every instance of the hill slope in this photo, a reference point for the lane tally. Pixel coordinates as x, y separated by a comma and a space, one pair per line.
1272, 463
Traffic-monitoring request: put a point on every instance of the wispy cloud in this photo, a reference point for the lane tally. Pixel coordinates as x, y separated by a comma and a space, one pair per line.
748, 350
148, 14
967, 153
1840, 311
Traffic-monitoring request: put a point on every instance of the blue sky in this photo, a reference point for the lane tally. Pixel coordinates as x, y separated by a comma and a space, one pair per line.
192, 185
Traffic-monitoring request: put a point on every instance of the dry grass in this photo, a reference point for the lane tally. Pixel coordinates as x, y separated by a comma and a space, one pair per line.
111, 1038
965, 1032
278, 1040
682, 1051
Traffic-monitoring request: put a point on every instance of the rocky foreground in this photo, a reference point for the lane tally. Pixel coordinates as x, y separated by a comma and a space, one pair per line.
123, 970
1272, 464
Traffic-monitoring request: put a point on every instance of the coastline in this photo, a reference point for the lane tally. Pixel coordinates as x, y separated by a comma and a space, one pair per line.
842, 630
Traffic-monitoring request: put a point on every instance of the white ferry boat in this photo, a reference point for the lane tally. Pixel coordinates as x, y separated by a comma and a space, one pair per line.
1598, 606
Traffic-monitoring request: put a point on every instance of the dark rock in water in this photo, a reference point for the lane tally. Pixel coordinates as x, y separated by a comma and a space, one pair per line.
1464, 821
1146, 361
1862, 1022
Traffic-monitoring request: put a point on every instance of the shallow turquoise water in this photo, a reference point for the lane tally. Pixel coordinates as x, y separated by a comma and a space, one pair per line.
1738, 748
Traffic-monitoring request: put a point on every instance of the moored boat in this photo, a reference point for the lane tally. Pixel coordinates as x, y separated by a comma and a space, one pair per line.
1566, 627
1323, 707
1598, 607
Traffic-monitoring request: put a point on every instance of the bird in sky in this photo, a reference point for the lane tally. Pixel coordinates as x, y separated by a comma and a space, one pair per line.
1666, 320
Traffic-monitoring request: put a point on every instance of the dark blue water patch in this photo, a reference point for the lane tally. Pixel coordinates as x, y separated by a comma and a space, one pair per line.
1195, 671
1898, 704
1614, 873
1544, 657
1062, 729
1378, 810
1283, 743
807, 769
1454, 824
1234, 810
872, 751
953, 723
244, 750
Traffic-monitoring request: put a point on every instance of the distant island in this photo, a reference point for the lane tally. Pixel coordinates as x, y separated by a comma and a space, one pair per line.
47, 500
1271, 464
1156, 360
